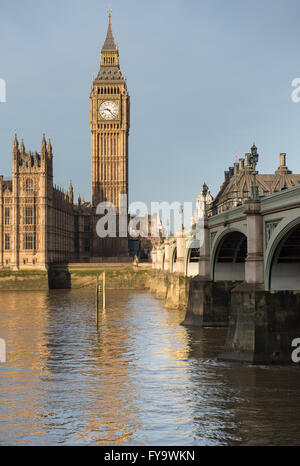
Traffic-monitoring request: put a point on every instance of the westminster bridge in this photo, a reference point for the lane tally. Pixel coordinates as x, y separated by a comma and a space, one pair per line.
255, 248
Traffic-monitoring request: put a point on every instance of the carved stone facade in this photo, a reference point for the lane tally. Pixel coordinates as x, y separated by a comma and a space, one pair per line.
40, 224
238, 182
36, 218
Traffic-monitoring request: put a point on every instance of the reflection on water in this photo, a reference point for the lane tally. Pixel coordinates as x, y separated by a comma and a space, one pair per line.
141, 379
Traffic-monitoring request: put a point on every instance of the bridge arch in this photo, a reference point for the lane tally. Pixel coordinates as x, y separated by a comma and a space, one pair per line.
229, 256
282, 266
192, 256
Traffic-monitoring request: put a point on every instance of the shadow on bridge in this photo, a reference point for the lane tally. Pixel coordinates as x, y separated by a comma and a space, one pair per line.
285, 266
230, 257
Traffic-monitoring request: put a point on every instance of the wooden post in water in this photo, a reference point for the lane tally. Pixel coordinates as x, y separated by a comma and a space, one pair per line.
104, 292
97, 300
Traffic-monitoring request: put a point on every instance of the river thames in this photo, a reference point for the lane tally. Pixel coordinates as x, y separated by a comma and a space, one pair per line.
140, 379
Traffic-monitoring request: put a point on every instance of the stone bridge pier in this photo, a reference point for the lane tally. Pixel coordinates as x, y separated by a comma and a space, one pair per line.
209, 301
245, 274
262, 324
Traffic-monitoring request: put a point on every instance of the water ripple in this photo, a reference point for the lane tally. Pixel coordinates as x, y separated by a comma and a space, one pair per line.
140, 379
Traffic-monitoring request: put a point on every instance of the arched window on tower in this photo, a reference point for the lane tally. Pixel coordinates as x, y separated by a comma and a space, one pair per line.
29, 185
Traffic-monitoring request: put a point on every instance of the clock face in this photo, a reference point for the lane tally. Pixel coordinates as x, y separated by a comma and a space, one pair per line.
108, 110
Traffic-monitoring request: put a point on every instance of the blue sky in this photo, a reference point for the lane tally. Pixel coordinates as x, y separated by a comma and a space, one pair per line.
206, 79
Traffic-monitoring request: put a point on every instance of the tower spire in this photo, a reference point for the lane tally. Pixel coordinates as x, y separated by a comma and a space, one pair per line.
71, 192
16, 143
43, 147
109, 43
22, 147
49, 148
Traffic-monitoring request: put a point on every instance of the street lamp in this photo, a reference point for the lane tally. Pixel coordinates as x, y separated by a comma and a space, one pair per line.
204, 193
253, 159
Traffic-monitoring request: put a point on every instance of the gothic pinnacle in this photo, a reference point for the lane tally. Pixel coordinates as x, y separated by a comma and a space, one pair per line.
22, 146
16, 144
44, 143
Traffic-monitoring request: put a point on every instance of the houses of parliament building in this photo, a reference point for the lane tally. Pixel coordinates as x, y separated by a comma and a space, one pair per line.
40, 224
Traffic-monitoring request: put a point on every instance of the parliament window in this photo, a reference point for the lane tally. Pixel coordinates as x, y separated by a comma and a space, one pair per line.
7, 216
87, 245
7, 241
29, 216
29, 186
29, 241
86, 221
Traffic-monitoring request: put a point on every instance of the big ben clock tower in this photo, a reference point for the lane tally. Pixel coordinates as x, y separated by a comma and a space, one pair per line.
109, 121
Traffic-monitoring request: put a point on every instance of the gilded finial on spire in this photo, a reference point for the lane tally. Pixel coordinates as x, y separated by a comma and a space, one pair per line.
109, 11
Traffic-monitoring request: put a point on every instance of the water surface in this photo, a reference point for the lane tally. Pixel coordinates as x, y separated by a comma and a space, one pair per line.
140, 379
